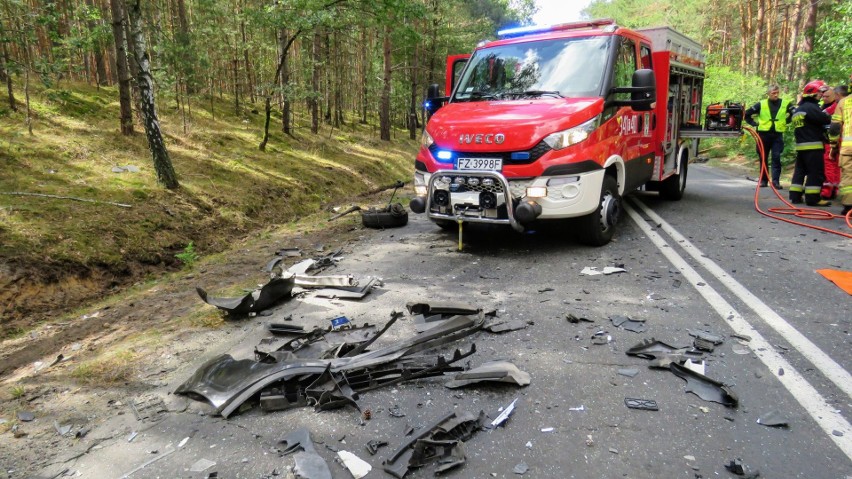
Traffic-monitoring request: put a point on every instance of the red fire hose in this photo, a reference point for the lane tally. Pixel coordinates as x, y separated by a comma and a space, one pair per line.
790, 209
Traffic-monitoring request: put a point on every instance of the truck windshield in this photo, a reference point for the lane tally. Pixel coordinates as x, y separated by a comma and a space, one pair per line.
566, 67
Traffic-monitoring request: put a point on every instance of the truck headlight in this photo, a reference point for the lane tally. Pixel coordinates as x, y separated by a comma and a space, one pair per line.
426, 140
572, 136
420, 184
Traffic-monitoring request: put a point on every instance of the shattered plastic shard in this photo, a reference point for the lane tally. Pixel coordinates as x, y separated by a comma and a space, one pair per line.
356, 466
773, 419
644, 404
704, 387
258, 300
309, 464
493, 371
504, 415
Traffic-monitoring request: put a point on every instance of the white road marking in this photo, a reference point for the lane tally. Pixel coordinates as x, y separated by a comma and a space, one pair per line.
827, 366
825, 415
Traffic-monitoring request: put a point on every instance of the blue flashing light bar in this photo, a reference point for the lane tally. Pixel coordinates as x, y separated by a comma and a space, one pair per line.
530, 29
445, 155
519, 31
521, 155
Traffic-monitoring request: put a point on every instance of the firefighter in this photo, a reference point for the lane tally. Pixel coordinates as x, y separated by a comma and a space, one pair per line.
840, 134
773, 114
830, 156
809, 122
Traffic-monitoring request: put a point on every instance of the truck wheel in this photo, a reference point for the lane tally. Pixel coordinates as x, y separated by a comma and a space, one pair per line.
597, 228
672, 187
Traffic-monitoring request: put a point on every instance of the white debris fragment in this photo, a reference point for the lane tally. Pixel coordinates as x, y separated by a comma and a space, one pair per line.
201, 465
593, 270
183, 442
547, 429
696, 366
578, 408
504, 415
356, 466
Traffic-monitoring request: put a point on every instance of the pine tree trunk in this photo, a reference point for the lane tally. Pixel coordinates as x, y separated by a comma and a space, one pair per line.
124, 98
313, 103
6, 75
760, 25
365, 62
162, 163
412, 113
807, 40
384, 107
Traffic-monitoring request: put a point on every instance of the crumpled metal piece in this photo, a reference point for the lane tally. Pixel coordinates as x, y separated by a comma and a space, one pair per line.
276, 289
492, 371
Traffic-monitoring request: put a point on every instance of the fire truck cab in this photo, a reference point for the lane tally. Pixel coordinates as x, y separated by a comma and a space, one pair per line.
558, 122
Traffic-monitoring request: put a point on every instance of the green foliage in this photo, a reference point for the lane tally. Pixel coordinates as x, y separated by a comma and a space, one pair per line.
189, 255
832, 50
17, 392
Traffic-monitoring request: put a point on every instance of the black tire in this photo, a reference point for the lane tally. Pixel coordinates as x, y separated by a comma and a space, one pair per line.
672, 188
597, 228
393, 216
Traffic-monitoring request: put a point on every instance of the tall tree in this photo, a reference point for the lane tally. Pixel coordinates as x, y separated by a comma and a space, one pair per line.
384, 104
124, 98
166, 175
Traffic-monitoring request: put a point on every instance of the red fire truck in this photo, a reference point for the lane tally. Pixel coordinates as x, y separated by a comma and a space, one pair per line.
560, 122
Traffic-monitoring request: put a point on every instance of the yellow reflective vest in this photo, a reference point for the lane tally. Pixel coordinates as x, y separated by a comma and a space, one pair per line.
843, 115
765, 120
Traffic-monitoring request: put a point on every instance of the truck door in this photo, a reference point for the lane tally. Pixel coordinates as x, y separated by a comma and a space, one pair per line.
455, 65
635, 128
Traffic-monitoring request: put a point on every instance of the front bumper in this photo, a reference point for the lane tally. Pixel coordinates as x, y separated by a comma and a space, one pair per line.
494, 199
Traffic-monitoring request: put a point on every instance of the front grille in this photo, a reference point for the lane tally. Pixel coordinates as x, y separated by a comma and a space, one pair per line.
496, 188
534, 154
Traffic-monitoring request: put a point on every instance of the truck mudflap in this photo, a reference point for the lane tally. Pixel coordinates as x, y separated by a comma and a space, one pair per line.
482, 196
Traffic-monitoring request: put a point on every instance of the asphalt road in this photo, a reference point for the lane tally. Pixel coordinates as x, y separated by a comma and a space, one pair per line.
708, 262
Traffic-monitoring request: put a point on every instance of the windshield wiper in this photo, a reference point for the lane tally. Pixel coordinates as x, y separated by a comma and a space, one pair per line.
553, 93
479, 95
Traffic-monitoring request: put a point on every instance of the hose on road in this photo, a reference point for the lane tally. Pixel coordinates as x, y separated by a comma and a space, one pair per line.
790, 209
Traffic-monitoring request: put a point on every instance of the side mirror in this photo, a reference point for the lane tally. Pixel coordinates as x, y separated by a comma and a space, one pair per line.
642, 91
434, 100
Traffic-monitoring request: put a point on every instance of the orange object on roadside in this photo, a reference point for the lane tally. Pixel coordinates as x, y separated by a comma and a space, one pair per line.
843, 279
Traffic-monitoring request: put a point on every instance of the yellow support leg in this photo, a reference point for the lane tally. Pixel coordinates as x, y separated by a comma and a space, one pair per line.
460, 234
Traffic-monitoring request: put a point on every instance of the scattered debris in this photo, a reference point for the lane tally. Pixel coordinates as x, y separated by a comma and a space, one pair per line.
492, 371
26, 416
545, 429
201, 465
276, 289
704, 387
334, 381
706, 336
575, 319
183, 442
737, 348
442, 441
132, 436
309, 464
630, 324
507, 411
644, 404
148, 408
593, 270
356, 466
62, 430
697, 366
505, 326
282, 328
631, 372
578, 408
374, 445
773, 419
521, 469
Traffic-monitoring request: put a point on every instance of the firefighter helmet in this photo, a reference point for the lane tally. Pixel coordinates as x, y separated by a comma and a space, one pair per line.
812, 88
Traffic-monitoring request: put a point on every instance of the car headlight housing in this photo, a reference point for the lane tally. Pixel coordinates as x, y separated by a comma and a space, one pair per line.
572, 136
426, 140
420, 187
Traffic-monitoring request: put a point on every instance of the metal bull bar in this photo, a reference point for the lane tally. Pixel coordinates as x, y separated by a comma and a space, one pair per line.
473, 215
